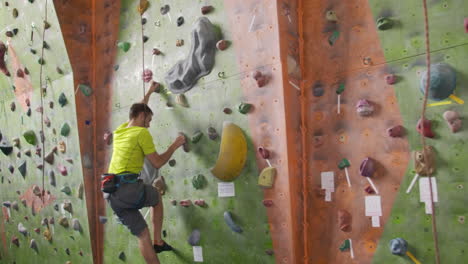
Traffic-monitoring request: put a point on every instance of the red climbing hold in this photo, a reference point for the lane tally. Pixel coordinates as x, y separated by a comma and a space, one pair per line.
200, 202
368, 189
396, 131
206, 9
185, 203
391, 79
147, 75
425, 128
263, 152
15, 241
156, 51
20, 73
466, 25
344, 220
261, 79
267, 203
3, 67
222, 44
63, 170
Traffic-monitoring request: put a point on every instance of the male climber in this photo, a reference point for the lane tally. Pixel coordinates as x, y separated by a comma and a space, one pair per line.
132, 143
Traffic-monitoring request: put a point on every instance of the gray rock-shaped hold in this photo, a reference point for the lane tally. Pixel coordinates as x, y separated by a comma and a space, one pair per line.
76, 225
194, 238
33, 245
443, 81
200, 61
51, 175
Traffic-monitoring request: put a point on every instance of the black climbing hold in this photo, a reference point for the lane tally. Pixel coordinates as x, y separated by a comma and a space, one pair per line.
67, 250
102, 219
67, 206
116, 67
7, 204
164, 233
145, 39
33, 51
15, 31
143, 21
28, 113
62, 100
22, 168
22, 229
15, 241
11, 168
172, 162
56, 207
12, 106
33, 245
244, 108
51, 175
59, 71
5, 147
164, 9
196, 137
122, 256
180, 21
45, 45
41, 61
318, 90
212, 134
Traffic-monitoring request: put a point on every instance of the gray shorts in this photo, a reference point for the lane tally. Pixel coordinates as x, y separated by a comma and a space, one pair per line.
127, 201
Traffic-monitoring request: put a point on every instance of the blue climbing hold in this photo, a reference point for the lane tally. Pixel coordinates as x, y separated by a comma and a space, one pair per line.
398, 246
443, 81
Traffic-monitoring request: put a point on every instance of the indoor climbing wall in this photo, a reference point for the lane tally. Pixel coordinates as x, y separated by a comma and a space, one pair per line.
43, 216
404, 47
200, 109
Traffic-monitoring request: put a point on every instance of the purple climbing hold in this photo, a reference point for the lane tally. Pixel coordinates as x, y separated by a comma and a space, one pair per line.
63, 170
76, 225
194, 238
7, 204
364, 108
367, 167
453, 120
212, 134
391, 79
22, 229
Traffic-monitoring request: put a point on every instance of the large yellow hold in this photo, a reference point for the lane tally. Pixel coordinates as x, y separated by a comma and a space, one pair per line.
232, 153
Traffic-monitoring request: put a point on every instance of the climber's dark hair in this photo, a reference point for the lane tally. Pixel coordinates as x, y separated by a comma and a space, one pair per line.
138, 108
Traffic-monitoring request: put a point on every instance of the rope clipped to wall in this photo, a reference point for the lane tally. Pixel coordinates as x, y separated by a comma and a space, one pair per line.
41, 95
423, 140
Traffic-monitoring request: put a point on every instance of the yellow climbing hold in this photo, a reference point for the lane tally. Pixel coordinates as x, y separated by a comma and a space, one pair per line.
144, 4
457, 99
47, 235
267, 176
232, 153
440, 103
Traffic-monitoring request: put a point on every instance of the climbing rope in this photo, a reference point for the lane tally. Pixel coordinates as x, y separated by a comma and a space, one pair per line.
423, 140
41, 94
142, 54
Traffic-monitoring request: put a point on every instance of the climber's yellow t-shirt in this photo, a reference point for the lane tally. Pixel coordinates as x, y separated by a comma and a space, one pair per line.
131, 145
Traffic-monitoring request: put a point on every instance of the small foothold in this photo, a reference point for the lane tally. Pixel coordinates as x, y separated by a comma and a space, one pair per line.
333, 37
453, 120
180, 21
67, 206
260, 78
396, 131
207, 9
22, 168
20, 73
27, 152
6, 148
37, 191
200, 202
174, 202
181, 100
143, 6
30, 137
22, 229
124, 46
18, 155
63, 170
37, 230
38, 151
145, 39
331, 16
398, 246
267, 203
164, 9
465, 22
264, 153
45, 45
15, 13
9, 34
172, 162
12, 106
384, 23
222, 44
194, 237
147, 75
346, 245
122, 256
185, 203
67, 250
51, 175
344, 220
85, 89
424, 161
340, 88
179, 42
143, 21
369, 190
11, 168
212, 134
227, 111
230, 222
102, 219
46, 25
199, 181
39, 166
47, 234
45, 222
344, 163
196, 137
267, 177
425, 128
49, 158
66, 190
76, 225
244, 108
367, 167
59, 70
364, 108
391, 79
41, 61
65, 130
62, 147
15, 241
156, 51
52, 220
269, 252
62, 100
28, 113
318, 90
108, 137
80, 191
63, 221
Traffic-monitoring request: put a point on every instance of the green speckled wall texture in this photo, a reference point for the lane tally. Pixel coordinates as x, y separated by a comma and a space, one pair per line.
66, 244
404, 48
206, 100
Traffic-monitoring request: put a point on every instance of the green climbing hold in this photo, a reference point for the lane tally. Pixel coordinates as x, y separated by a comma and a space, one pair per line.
344, 163
196, 137
30, 137
62, 100
199, 181
333, 38
346, 245
41, 61
340, 89
384, 23
244, 108
22, 168
65, 130
85, 89
66, 190
125, 46
31, 1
